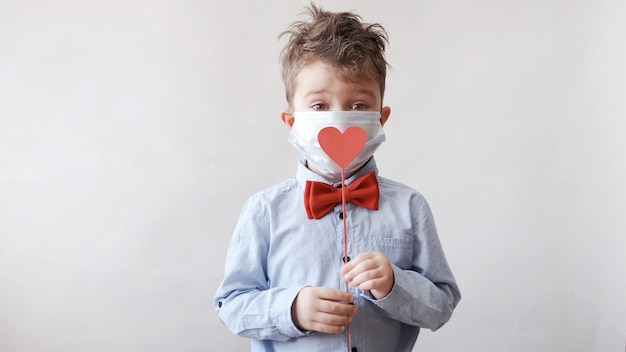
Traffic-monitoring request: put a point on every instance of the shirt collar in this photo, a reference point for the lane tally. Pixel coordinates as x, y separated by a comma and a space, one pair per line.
303, 173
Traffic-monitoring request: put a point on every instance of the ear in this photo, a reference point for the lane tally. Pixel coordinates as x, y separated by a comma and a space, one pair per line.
384, 114
287, 117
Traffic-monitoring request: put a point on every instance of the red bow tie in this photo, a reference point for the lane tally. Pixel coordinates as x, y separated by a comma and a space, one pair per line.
320, 197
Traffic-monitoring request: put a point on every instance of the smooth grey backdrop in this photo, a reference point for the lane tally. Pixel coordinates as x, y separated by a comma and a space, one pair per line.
131, 133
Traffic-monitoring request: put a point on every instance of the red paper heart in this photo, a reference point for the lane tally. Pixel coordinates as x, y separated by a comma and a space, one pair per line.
342, 148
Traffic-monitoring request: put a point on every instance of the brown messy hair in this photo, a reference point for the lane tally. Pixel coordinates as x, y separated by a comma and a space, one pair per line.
355, 49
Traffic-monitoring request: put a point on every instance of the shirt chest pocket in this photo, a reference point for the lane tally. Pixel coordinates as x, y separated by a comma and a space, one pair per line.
399, 251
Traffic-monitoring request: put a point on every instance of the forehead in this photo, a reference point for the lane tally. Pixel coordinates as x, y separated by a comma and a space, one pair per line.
320, 76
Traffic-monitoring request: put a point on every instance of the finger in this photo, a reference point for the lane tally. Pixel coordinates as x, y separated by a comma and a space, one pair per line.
328, 322
336, 308
356, 261
366, 284
363, 267
328, 329
334, 295
366, 276
331, 319
369, 258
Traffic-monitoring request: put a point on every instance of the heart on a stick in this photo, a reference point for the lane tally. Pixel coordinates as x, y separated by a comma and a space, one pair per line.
342, 148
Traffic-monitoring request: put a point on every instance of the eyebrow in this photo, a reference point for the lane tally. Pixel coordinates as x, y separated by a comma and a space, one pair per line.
367, 92
315, 92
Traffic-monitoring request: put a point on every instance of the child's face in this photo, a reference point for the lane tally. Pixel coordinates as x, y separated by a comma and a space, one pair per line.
319, 88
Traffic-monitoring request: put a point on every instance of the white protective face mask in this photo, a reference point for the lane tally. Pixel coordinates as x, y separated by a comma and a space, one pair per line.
307, 125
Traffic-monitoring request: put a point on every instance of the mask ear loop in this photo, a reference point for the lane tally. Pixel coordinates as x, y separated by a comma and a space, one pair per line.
345, 242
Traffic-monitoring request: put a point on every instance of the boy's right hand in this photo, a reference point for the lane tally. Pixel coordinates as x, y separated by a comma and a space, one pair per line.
322, 309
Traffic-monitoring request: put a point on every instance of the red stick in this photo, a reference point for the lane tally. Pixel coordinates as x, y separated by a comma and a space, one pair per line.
345, 242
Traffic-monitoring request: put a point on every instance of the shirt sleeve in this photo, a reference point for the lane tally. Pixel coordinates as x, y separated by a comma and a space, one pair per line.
427, 294
244, 301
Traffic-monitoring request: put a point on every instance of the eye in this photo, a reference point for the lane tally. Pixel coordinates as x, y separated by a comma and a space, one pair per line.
359, 106
318, 107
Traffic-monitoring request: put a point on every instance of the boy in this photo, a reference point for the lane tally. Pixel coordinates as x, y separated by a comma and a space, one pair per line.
286, 271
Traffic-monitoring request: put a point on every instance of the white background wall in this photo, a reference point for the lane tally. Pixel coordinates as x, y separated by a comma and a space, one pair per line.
131, 133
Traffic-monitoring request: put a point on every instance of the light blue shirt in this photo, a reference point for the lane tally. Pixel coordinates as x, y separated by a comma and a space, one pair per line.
276, 250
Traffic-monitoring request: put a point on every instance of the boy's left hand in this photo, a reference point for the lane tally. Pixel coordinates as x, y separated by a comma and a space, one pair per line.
370, 271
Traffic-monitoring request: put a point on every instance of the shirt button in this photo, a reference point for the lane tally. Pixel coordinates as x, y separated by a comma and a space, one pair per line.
343, 259
341, 215
219, 304
354, 349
